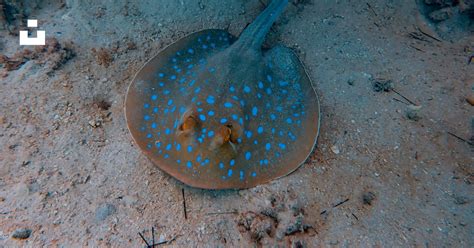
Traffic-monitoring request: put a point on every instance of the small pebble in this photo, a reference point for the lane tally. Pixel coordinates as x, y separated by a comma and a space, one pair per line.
412, 112
104, 211
22, 233
335, 149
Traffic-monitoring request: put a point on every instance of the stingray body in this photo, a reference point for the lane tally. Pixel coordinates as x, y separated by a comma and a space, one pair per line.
217, 112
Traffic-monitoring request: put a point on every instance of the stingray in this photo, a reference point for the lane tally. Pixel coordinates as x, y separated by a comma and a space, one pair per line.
217, 112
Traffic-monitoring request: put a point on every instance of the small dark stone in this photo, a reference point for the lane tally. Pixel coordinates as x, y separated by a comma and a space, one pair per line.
104, 211
368, 198
460, 200
270, 213
22, 233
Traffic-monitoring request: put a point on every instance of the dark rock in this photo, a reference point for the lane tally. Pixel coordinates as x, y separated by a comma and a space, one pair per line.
22, 233
441, 14
460, 200
368, 198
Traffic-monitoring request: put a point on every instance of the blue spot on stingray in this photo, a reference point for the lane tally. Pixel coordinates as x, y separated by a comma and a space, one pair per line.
241, 121
189, 164
282, 146
279, 109
260, 129
167, 131
223, 120
254, 111
190, 148
166, 111
241, 175
153, 125
166, 92
178, 147
232, 89
229, 173
273, 117
161, 75
242, 103
283, 83
192, 82
191, 51
182, 109
158, 144
149, 135
168, 147
268, 146
212, 69
235, 117
235, 98
269, 91
255, 142
246, 89
249, 134
146, 105
269, 78
259, 95
170, 101
198, 158
210, 113
228, 105
200, 139
178, 161
204, 46
289, 120
210, 100
196, 91
239, 140
260, 85
173, 77
221, 165
210, 134
154, 97
146, 117
199, 109
166, 156
254, 174
161, 84
248, 155
232, 162
202, 117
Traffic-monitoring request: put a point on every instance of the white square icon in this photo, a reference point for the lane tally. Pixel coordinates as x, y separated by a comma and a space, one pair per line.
32, 23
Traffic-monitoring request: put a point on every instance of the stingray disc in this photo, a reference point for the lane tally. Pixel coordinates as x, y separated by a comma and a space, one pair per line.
277, 117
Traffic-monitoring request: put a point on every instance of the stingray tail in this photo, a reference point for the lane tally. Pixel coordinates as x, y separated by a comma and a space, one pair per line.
254, 35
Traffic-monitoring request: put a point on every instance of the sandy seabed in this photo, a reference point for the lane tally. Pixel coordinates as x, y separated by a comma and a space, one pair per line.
383, 173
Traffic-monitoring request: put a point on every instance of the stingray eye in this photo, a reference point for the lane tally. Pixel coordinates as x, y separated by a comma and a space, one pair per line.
189, 123
235, 132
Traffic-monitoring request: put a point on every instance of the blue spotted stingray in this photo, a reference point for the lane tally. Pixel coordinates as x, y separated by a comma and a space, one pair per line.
218, 112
